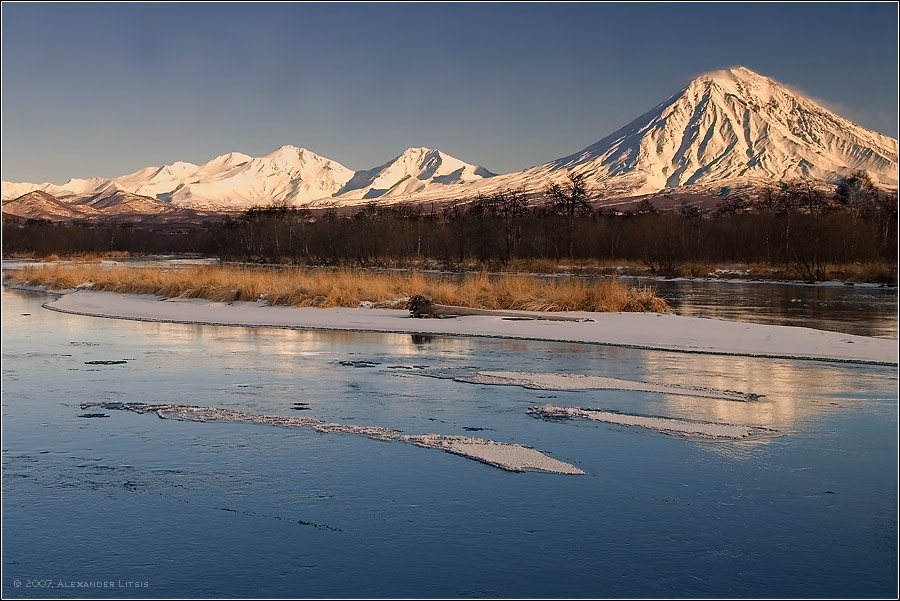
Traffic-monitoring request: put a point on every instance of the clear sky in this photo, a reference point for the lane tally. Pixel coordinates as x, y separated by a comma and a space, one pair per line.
101, 90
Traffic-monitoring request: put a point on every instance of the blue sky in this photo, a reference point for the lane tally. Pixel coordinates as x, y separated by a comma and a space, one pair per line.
106, 89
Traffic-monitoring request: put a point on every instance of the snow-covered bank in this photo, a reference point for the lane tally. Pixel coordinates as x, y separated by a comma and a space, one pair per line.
635, 330
667, 425
511, 457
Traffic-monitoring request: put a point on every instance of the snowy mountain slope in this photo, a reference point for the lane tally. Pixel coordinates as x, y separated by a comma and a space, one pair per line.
292, 175
119, 202
157, 182
730, 127
415, 170
288, 174
726, 128
38, 204
16, 189
72, 190
735, 126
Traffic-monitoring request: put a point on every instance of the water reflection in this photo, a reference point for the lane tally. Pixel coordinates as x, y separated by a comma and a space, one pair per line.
796, 392
717, 516
421, 339
267, 369
861, 310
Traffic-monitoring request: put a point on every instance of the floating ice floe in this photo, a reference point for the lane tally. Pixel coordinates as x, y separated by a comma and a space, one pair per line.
512, 457
551, 381
666, 425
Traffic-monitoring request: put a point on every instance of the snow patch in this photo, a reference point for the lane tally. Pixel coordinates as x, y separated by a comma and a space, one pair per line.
510, 457
666, 425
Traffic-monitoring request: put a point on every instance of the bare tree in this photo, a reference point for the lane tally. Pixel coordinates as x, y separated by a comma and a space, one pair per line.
569, 199
646, 207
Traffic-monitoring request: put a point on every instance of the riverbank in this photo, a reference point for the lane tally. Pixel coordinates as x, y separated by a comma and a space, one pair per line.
657, 331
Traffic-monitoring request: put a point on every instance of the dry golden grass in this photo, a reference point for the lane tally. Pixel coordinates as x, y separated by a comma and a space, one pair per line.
348, 288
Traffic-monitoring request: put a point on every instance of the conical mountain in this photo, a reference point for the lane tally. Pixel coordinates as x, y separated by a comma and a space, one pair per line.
732, 127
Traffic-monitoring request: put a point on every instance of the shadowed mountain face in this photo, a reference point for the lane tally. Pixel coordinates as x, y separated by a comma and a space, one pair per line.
726, 128
109, 204
119, 202
42, 205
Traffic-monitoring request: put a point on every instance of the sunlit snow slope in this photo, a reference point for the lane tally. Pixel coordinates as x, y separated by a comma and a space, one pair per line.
730, 128
291, 175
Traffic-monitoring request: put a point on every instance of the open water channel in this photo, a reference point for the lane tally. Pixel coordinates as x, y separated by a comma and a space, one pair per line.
106, 503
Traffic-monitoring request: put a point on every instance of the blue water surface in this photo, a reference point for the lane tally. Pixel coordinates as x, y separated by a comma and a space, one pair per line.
134, 506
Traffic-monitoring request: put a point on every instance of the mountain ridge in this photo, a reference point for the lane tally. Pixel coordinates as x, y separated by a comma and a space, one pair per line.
727, 128
288, 174
730, 127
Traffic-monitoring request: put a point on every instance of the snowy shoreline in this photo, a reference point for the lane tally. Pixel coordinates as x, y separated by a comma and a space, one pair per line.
651, 331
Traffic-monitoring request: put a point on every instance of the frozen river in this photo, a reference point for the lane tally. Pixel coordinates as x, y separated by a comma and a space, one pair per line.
132, 505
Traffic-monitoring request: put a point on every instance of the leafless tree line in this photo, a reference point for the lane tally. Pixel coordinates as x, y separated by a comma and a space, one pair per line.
794, 225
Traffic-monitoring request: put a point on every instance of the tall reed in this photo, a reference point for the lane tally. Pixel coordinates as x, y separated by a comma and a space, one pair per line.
348, 288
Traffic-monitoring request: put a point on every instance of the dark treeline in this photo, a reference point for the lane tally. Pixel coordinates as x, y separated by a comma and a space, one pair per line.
43, 238
791, 225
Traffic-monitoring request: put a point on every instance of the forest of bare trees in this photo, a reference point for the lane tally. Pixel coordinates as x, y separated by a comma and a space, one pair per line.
792, 225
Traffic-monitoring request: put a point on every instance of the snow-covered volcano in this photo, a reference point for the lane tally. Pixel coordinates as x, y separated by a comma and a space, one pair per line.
729, 127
